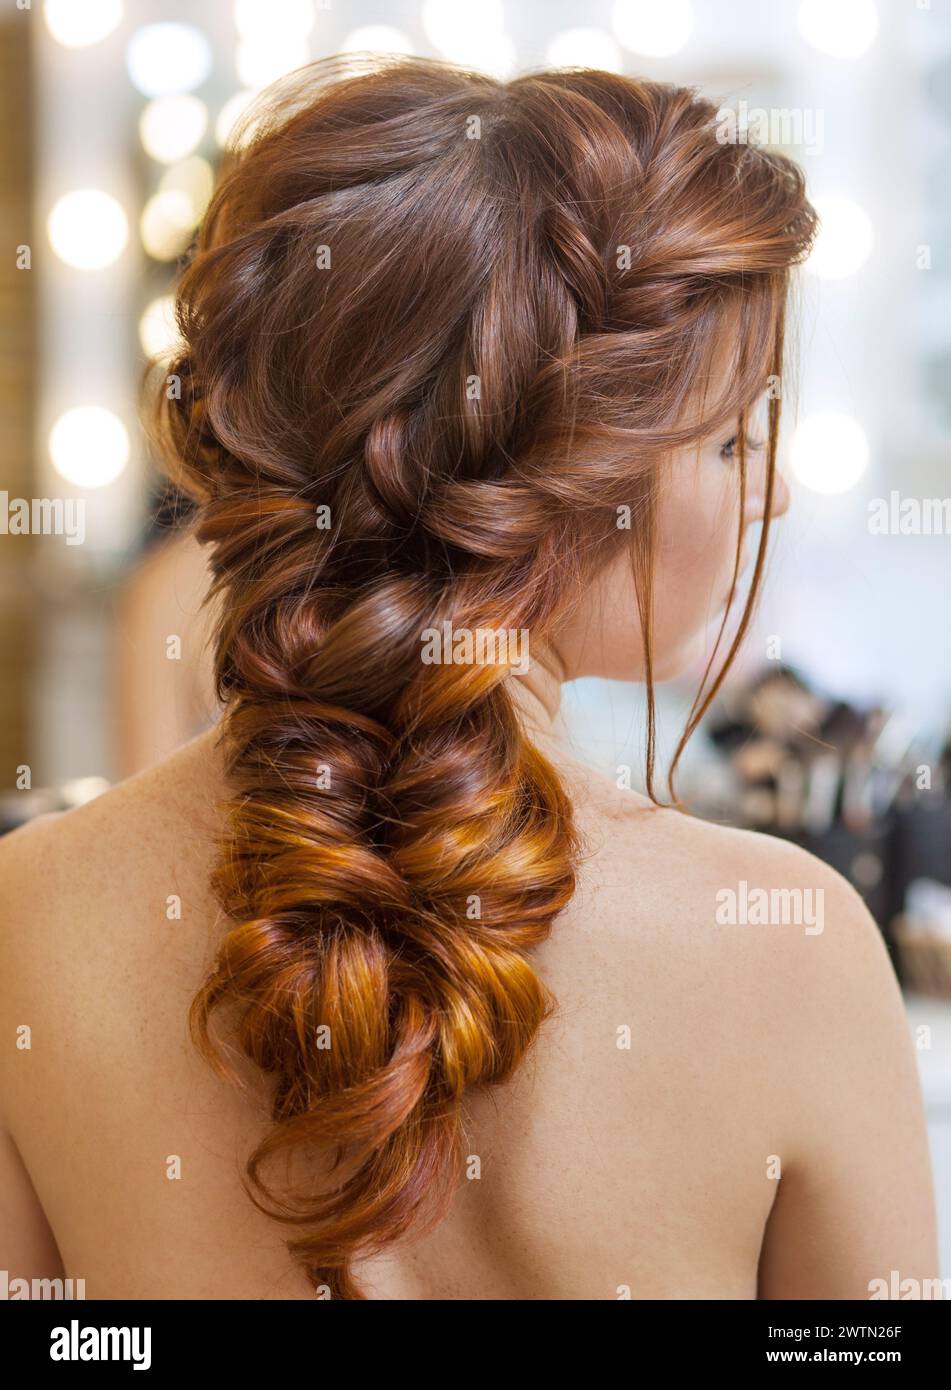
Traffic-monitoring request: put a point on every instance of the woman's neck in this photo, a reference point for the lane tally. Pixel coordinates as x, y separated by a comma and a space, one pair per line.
537, 694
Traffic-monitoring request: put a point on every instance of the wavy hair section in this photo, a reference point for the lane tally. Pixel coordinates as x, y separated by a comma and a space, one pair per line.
436, 329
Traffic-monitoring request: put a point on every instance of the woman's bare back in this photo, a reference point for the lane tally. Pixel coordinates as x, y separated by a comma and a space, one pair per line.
723, 1111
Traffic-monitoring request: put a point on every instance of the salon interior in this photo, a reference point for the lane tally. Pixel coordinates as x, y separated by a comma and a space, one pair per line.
833, 728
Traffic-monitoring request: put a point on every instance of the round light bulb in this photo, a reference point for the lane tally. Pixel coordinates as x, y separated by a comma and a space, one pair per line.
79, 23
293, 17
829, 452
844, 240
377, 38
171, 127
656, 30
450, 26
158, 331
230, 114
89, 446
87, 229
584, 48
263, 58
167, 222
841, 28
167, 58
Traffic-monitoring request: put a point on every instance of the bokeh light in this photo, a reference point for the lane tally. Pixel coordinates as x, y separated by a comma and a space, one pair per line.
377, 38
289, 17
451, 26
89, 446
168, 220
829, 452
79, 23
587, 48
845, 239
263, 58
195, 178
164, 59
158, 331
230, 114
492, 52
844, 29
87, 229
655, 30
171, 127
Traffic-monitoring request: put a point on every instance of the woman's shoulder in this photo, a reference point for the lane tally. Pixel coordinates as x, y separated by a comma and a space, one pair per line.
95, 896
661, 895
745, 921
721, 875
155, 813
647, 871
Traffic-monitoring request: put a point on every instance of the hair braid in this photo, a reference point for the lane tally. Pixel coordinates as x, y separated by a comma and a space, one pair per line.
431, 339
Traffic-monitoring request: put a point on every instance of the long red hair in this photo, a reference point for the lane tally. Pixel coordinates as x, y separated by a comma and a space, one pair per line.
437, 329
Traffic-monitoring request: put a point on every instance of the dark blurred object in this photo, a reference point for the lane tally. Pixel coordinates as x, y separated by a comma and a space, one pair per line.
859, 788
922, 837
864, 858
19, 807
923, 937
170, 510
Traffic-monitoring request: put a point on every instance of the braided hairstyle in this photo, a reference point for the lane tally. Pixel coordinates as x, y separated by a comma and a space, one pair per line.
436, 330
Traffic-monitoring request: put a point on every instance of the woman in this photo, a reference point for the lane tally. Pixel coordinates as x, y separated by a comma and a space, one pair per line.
469, 374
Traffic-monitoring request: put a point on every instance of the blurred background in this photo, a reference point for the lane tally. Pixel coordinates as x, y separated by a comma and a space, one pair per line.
834, 728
